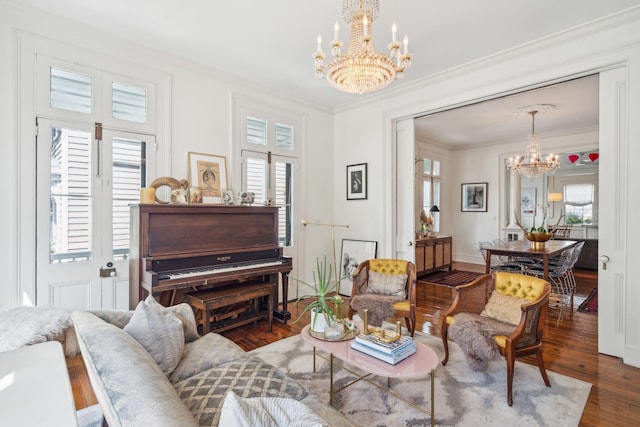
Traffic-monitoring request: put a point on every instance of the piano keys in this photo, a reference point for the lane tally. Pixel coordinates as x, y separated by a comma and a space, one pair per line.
176, 249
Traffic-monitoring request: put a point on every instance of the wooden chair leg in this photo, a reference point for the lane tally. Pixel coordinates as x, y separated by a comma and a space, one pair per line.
542, 369
510, 367
411, 326
444, 332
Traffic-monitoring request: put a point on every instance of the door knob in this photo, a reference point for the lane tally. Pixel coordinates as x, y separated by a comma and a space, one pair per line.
604, 260
108, 272
410, 243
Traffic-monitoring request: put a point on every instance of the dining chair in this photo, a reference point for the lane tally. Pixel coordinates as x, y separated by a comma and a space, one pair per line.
561, 230
497, 263
577, 250
558, 276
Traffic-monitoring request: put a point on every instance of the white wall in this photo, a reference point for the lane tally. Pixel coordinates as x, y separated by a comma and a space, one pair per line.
582, 51
484, 164
199, 119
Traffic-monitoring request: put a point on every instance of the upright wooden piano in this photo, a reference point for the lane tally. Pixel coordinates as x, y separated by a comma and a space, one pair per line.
177, 249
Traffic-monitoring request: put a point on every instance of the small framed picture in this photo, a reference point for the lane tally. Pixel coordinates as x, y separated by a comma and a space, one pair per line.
208, 172
474, 197
528, 201
195, 196
357, 181
227, 196
352, 254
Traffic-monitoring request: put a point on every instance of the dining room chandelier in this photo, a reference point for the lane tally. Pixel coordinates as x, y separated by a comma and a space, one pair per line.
532, 164
361, 69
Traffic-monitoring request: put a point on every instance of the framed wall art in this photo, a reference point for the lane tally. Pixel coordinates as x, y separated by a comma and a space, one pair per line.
528, 201
357, 181
352, 254
208, 172
474, 197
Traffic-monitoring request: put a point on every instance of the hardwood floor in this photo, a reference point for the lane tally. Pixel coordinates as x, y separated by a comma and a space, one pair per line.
570, 348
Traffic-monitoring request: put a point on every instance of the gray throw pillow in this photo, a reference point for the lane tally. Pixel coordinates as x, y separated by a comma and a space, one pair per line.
159, 331
267, 412
386, 284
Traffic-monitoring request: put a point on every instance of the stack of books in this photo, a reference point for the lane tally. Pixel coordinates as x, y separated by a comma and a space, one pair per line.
390, 352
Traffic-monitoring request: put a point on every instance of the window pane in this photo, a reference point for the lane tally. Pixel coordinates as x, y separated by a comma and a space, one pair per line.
70, 91
427, 166
578, 193
284, 136
284, 192
128, 177
70, 195
579, 203
436, 168
436, 202
129, 103
426, 194
256, 131
257, 178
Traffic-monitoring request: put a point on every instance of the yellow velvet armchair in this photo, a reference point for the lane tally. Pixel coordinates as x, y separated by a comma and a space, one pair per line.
526, 339
387, 288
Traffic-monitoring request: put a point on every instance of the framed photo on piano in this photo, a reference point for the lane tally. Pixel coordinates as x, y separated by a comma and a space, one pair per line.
208, 172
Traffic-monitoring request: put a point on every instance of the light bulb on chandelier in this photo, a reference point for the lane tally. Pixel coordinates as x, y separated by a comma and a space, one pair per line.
361, 69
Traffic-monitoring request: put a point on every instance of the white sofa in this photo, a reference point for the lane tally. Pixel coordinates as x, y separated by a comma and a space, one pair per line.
132, 389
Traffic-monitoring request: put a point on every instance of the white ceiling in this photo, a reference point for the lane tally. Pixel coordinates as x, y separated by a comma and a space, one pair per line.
495, 121
271, 42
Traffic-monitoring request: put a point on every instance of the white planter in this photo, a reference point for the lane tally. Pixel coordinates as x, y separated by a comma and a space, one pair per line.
318, 321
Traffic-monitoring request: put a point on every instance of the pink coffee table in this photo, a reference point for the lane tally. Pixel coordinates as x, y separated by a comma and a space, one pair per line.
422, 363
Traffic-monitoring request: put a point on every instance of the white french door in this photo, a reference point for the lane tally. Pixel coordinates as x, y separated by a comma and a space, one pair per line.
272, 178
405, 199
87, 178
612, 235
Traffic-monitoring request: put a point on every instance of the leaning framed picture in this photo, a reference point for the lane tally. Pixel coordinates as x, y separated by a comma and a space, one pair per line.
208, 172
352, 254
357, 181
474, 197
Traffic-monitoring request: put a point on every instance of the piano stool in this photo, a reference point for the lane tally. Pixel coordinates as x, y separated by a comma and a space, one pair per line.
205, 301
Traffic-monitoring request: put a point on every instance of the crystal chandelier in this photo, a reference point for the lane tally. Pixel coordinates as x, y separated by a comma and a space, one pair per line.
361, 69
532, 164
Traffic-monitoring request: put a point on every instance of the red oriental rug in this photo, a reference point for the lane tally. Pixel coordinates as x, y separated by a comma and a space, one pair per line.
590, 305
450, 278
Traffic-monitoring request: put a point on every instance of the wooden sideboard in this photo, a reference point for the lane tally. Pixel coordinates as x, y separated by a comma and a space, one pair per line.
433, 254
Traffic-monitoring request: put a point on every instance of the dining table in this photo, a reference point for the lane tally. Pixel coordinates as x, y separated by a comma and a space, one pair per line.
523, 249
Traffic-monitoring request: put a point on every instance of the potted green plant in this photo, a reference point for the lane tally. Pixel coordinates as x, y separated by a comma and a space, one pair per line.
325, 309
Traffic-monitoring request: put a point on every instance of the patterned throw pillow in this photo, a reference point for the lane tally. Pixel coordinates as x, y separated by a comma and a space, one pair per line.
159, 331
504, 308
386, 284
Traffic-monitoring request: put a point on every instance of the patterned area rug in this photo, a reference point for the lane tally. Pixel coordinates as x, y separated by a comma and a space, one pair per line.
462, 397
451, 278
590, 305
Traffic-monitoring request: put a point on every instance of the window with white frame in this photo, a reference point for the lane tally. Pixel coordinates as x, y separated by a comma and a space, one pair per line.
269, 160
78, 91
579, 203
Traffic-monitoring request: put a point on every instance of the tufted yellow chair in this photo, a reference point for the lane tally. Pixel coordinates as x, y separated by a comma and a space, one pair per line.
397, 306
526, 339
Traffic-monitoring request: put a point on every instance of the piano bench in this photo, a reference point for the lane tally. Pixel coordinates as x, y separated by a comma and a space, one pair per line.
211, 299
